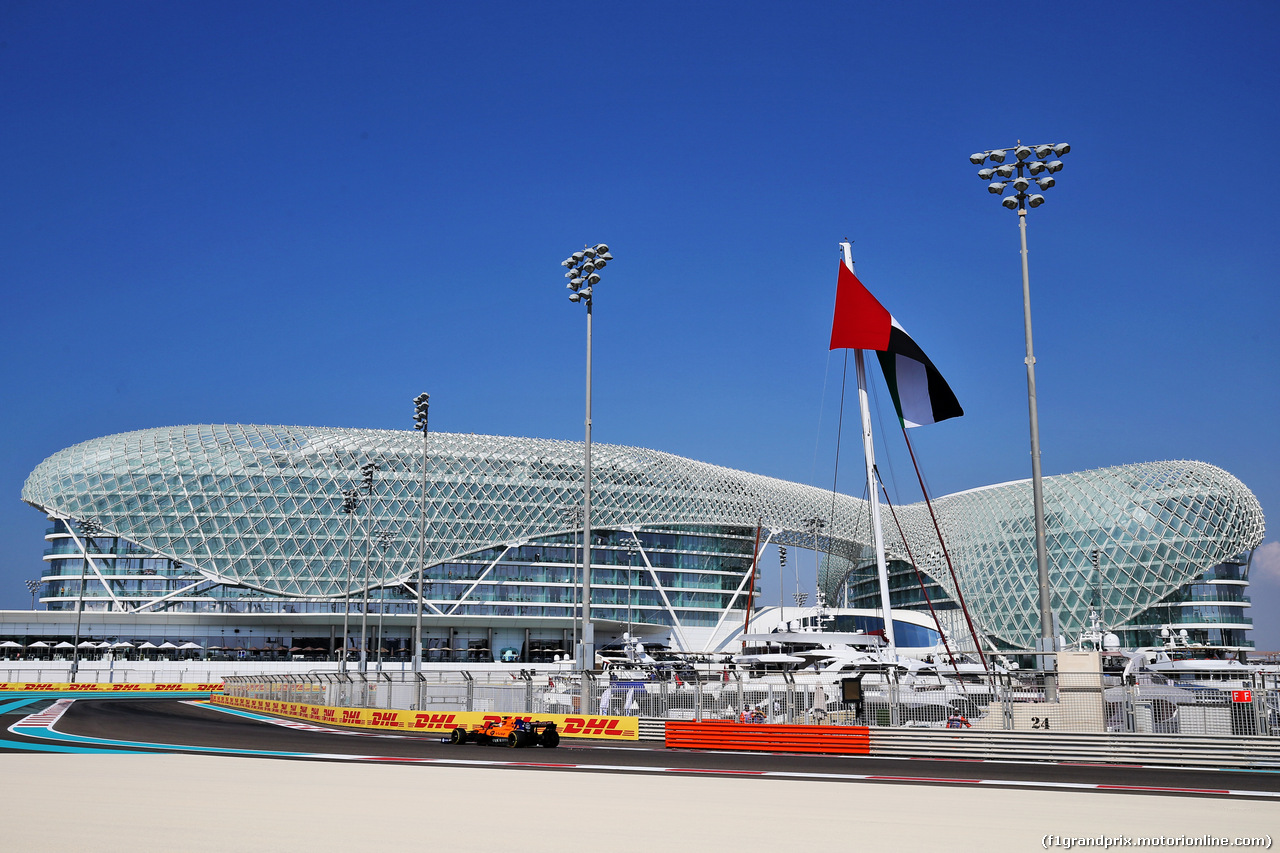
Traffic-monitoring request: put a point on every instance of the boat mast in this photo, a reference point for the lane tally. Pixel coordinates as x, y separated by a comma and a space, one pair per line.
868, 451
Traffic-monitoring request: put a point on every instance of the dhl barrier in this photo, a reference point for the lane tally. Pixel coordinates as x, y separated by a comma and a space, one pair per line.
570, 725
848, 740
104, 688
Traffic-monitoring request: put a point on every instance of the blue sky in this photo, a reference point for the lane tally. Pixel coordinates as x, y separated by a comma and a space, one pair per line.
309, 212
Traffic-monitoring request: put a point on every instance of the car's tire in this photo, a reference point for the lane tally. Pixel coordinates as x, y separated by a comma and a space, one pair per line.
550, 737
458, 736
513, 740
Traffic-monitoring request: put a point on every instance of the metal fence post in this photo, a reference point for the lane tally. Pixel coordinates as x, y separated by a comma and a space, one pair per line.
1006, 708
1129, 712
697, 698
471, 690
528, 690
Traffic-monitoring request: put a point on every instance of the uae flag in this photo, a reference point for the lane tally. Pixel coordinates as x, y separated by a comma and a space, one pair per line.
920, 394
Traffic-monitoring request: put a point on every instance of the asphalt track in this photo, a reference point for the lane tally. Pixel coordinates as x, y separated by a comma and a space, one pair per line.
169, 726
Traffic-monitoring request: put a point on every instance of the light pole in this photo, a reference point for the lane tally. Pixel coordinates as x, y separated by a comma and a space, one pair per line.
782, 594
32, 586
350, 501
420, 406
384, 543
815, 526
583, 276
88, 529
1038, 163
633, 548
366, 477
573, 517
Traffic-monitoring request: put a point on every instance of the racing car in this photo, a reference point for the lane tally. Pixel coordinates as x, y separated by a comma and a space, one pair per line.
513, 731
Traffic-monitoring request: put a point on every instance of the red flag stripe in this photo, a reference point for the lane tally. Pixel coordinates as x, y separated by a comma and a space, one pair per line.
860, 321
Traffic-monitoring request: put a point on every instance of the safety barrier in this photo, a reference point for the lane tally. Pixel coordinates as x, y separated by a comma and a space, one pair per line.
969, 745
843, 740
98, 690
569, 725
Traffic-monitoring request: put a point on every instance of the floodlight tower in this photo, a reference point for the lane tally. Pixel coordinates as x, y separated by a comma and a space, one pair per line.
1039, 163
583, 274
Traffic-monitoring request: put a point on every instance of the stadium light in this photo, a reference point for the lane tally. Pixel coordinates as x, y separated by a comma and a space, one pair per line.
583, 275
1034, 160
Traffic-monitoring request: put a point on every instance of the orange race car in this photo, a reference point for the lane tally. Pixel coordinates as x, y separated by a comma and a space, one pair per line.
512, 731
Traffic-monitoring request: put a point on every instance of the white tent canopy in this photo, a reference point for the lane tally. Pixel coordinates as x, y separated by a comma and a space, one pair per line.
10, 644
167, 645
186, 646
148, 645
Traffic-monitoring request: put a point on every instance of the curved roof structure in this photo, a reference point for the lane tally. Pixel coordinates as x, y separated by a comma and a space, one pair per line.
261, 506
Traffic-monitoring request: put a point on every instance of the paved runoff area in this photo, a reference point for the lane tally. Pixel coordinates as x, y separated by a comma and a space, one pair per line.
106, 803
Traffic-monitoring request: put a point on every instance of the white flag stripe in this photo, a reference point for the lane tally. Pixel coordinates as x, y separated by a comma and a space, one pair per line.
913, 391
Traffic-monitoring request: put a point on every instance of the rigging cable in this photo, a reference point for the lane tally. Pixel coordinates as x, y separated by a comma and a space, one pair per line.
920, 579
977, 641
835, 478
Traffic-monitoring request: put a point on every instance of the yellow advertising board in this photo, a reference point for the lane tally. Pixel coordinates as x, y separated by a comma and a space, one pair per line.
94, 687
569, 725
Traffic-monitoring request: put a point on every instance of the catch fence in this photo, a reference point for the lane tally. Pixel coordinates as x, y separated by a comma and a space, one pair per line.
1070, 702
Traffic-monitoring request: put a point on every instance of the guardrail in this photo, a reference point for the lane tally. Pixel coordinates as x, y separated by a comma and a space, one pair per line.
1146, 749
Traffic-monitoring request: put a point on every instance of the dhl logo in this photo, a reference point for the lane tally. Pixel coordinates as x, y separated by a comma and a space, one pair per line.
386, 718
434, 721
168, 687
82, 687
126, 687
591, 726
351, 716
44, 685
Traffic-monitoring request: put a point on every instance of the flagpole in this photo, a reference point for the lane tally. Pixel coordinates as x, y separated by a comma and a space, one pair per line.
868, 451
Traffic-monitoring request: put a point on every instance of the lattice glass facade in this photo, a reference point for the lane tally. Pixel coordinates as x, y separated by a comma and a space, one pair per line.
252, 515
1153, 529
